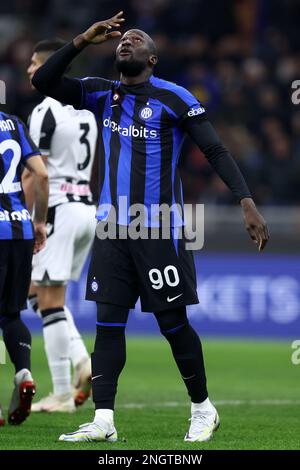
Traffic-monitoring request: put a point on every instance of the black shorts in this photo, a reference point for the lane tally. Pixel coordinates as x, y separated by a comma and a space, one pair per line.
161, 272
15, 274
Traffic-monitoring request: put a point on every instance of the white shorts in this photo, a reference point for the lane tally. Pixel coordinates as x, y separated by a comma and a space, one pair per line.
70, 233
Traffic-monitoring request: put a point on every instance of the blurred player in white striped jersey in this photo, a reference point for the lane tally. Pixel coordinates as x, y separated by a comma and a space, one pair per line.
67, 140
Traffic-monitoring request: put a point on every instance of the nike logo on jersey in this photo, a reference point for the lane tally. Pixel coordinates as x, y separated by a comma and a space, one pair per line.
171, 299
96, 376
113, 105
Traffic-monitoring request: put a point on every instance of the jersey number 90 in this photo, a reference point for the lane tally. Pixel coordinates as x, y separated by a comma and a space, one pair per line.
169, 276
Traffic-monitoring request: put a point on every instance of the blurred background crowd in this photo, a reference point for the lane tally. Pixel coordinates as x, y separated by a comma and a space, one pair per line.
238, 57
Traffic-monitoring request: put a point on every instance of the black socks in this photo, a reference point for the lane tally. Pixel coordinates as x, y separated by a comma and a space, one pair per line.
17, 339
109, 356
187, 351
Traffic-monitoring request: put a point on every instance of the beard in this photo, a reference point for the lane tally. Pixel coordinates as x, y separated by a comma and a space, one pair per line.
130, 68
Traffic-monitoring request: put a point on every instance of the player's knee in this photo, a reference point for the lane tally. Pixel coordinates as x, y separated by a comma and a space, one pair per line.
51, 296
172, 321
111, 315
108, 335
111, 324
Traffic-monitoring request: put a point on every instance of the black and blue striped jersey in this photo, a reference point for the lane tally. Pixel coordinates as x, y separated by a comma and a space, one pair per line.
15, 148
140, 145
142, 129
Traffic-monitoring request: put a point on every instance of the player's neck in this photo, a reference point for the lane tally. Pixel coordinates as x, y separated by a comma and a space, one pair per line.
141, 78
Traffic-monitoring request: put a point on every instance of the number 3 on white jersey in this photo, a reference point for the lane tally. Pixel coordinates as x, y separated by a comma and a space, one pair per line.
7, 185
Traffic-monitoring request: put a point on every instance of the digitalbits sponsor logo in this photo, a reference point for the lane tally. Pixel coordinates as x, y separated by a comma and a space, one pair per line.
146, 113
94, 285
130, 131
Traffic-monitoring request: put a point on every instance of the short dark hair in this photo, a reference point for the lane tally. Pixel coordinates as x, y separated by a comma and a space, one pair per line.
49, 45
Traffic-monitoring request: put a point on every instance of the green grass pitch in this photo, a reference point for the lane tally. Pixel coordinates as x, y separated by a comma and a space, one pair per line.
254, 384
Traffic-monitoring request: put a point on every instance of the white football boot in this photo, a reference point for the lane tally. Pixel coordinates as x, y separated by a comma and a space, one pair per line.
22, 396
93, 432
82, 381
204, 422
55, 403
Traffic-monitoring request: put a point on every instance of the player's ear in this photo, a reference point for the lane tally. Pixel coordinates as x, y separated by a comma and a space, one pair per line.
153, 59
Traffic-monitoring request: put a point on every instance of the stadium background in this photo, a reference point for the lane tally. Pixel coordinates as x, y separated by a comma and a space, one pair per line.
239, 58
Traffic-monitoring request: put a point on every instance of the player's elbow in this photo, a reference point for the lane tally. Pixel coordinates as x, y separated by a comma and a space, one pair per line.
43, 177
215, 151
26, 175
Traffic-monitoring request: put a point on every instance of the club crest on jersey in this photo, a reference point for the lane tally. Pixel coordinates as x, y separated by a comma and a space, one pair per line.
116, 96
94, 285
146, 113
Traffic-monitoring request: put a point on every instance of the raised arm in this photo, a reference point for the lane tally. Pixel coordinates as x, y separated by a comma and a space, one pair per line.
204, 135
49, 78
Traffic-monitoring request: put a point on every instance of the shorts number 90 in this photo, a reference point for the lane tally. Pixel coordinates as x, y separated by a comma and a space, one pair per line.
169, 276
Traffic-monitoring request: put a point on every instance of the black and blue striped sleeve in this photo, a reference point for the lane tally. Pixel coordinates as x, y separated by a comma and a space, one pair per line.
184, 104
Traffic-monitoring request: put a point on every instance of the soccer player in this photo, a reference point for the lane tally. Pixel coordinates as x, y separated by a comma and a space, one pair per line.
67, 140
18, 239
143, 120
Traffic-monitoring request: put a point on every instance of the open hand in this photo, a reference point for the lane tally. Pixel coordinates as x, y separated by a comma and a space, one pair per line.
255, 223
40, 237
100, 31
